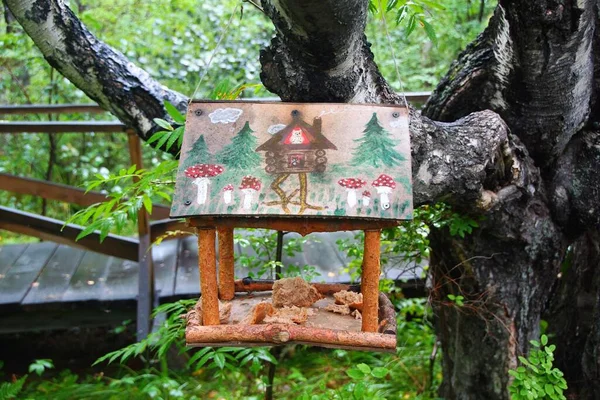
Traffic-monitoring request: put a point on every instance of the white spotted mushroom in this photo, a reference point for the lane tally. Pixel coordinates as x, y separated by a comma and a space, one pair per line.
351, 185
201, 173
366, 198
384, 185
227, 193
249, 187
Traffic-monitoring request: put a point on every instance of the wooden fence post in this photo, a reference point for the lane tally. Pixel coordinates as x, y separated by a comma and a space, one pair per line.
146, 293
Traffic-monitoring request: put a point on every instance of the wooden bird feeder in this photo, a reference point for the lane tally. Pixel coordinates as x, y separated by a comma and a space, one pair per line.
291, 167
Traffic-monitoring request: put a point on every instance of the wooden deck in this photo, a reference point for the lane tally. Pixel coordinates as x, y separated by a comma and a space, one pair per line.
49, 285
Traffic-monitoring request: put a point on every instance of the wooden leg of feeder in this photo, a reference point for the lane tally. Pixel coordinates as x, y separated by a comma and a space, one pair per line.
370, 281
226, 264
207, 263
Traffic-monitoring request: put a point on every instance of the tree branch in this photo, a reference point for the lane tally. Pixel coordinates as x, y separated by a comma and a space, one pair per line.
101, 72
534, 66
320, 53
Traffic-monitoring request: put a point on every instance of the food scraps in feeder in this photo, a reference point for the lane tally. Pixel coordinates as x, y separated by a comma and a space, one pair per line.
265, 312
294, 292
343, 309
258, 313
290, 315
352, 299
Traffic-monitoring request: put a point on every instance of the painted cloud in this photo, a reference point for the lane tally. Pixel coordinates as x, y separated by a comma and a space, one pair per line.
273, 129
397, 123
225, 115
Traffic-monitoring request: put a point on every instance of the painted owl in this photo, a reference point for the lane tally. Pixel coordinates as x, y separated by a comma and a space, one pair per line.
297, 137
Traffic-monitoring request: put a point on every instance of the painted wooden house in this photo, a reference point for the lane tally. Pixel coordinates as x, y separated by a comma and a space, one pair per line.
297, 148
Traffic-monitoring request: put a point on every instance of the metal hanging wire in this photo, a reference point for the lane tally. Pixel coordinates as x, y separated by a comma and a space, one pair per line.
214, 52
389, 40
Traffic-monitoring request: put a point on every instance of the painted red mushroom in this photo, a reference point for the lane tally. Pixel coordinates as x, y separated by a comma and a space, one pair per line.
201, 173
384, 185
249, 187
351, 185
366, 198
227, 192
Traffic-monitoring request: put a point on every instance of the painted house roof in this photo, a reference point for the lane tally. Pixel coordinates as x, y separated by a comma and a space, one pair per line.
309, 137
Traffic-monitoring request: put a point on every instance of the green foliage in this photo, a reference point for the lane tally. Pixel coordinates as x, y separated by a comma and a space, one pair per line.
458, 300
536, 378
170, 333
39, 366
170, 135
260, 261
376, 147
408, 244
10, 390
128, 191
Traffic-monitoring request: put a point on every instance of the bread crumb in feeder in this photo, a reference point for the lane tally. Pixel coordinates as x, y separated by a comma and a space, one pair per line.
258, 313
343, 309
347, 297
294, 292
289, 315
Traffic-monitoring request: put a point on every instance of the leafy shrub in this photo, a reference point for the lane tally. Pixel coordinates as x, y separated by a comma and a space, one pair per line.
536, 378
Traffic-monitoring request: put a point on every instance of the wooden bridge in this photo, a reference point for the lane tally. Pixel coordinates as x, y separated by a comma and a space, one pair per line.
61, 282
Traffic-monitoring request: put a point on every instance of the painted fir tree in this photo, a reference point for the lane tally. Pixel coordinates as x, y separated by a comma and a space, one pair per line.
198, 154
376, 147
240, 154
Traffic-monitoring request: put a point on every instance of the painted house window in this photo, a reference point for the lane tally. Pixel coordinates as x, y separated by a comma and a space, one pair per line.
296, 136
296, 161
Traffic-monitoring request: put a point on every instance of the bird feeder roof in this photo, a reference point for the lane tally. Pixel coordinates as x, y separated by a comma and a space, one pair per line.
313, 138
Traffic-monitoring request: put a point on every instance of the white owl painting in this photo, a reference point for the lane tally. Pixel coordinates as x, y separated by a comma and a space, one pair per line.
297, 137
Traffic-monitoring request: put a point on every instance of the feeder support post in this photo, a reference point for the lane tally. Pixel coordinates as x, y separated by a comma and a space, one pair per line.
370, 281
207, 263
226, 263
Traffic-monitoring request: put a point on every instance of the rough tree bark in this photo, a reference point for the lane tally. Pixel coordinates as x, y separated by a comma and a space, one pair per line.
531, 179
536, 65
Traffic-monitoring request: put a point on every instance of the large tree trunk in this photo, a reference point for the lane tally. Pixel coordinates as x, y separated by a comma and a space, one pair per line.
574, 317
535, 187
534, 65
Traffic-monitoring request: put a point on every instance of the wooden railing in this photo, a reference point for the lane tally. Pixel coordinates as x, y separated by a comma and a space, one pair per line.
56, 231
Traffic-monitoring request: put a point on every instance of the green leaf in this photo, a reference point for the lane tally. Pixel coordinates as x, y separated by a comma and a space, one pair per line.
147, 204
412, 22
359, 390
163, 124
430, 31
544, 340
174, 113
355, 373
174, 136
391, 4
156, 136
163, 140
549, 389
379, 372
364, 368
219, 359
